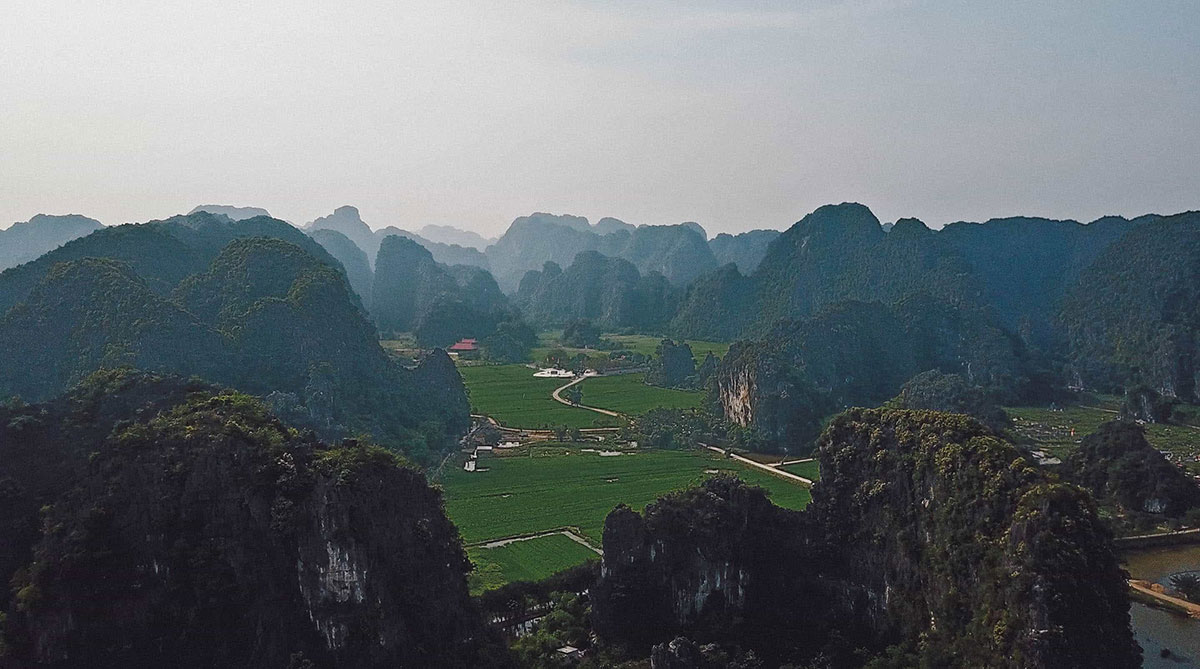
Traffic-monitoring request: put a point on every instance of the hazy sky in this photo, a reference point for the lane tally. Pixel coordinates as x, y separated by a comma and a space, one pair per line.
734, 114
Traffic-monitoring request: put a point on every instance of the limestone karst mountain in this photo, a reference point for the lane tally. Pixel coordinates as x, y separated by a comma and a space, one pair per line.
23, 242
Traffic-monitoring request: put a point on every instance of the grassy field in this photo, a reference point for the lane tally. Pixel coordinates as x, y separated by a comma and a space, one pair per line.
513, 396
1059, 432
530, 560
524, 495
550, 340
647, 344
628, 394
810, 470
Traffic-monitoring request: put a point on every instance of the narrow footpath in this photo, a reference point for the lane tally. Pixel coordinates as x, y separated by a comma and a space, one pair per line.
774, 470
566, 533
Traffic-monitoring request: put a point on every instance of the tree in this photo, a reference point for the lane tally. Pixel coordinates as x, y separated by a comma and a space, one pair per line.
1188, 585
673, 365
581, 333
574, 394
935, 391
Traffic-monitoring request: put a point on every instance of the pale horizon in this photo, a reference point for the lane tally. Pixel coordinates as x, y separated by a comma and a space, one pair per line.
734, 115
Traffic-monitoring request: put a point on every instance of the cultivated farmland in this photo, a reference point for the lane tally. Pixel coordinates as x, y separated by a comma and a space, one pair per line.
1060, 431
515, 398
628, 394
647, 344
525, 495
810, 470
529, 560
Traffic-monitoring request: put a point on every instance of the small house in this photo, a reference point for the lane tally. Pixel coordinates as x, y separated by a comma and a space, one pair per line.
467, 349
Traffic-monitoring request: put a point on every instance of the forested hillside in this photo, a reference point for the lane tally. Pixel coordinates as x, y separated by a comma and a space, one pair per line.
610, 292
25, 241
1133, 317
264, 316
162, 253
151, 521
929, 542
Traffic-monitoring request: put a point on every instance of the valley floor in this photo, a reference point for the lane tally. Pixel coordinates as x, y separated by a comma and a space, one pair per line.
564, 486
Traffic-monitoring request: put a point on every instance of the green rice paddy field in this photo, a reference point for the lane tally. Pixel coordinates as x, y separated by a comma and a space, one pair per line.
550, 490
810, 470
513, 396
525, 495
530, 560
647, 344
629, 394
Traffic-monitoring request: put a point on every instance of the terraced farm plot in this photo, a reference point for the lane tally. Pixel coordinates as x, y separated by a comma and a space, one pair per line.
516, 398
529, 560
628, 394
525, 495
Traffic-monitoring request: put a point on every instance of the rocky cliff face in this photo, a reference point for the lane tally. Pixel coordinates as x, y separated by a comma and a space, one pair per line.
702, 559
1133, 316
354, 259
786, 383
206, 533
925, 532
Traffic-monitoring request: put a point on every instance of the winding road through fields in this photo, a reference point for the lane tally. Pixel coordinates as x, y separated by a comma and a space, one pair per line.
558, 398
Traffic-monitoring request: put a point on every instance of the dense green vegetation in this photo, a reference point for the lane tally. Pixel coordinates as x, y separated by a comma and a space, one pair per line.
609, 292
161, 253
677, 252
528, 560
744, 250
441, 304
186, 526
929, 542
647, 345
1133, 317
935, 391
265, 316
1117, 463
672, 366
358, 267
514, 397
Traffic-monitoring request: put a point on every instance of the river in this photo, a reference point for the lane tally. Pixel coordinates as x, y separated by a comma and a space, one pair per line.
1157, 629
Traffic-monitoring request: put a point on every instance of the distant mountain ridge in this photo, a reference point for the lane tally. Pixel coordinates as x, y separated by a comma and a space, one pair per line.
254, 304
162, 252
608, 291
678, 252
234, 213
347, 221
448, 234
25, 241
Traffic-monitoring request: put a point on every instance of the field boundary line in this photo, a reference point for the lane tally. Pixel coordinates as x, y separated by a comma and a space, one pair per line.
767, 468
560, 400
785, 463
572, 533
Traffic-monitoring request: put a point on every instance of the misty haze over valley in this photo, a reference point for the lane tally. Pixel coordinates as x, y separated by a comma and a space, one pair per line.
813, 335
